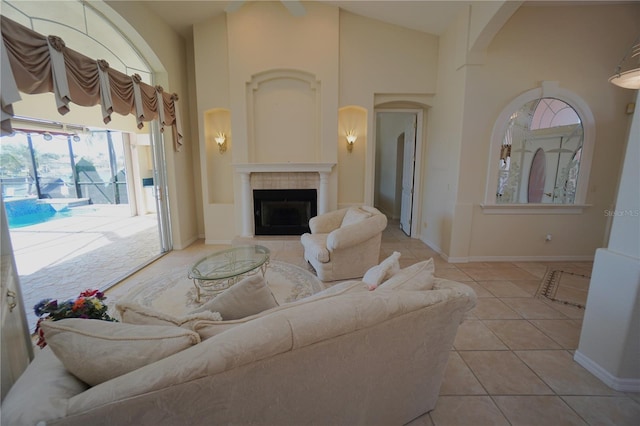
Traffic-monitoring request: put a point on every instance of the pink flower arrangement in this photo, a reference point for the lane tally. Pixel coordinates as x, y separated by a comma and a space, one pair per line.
89, 304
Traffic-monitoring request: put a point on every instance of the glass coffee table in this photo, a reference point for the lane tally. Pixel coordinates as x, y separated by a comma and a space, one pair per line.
222, 269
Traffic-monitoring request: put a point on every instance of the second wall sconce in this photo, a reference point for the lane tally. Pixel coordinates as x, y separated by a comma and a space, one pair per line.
221, 140
351, 138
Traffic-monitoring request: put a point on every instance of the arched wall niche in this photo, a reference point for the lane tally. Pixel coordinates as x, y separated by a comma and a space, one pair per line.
283, 114
218, 161
547, 89
351, 163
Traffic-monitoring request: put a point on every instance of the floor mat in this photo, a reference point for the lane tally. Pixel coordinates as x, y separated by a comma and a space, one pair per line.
565, 287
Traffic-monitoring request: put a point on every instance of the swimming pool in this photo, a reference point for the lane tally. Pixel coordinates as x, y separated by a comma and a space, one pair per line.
28, 211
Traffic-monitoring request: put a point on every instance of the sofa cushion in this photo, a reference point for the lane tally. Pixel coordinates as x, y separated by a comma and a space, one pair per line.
354, 215
315, 246
132, 313
418, 276
96, 351
41, 392
207, 329
248, 297
377, 274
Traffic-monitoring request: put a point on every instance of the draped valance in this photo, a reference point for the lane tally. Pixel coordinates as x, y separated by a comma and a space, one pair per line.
32, 63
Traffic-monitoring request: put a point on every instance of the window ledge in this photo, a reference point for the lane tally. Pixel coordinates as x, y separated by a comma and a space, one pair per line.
534, 208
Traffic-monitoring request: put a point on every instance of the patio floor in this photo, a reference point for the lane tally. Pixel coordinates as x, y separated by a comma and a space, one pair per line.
60, 258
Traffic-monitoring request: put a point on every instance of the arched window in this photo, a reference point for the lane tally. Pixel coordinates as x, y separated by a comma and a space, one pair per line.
540, 153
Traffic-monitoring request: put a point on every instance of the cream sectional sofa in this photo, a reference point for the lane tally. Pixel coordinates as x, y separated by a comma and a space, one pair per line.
345, 356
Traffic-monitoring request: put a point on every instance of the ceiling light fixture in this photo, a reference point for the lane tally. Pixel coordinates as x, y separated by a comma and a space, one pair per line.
629, 77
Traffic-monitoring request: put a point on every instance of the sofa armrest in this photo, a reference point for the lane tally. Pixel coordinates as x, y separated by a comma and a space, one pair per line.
327, 222
356, 233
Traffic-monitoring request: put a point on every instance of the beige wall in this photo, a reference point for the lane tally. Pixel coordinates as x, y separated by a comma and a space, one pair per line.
358, 60
352, 58
517, 62
462, 122
385, 63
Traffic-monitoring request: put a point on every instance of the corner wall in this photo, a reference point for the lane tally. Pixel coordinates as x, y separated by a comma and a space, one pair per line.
594, 37
611, 349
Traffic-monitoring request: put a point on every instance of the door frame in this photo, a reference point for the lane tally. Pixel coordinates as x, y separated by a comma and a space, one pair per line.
418, 165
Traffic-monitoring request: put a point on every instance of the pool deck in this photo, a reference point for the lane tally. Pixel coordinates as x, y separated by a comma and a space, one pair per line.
60, 258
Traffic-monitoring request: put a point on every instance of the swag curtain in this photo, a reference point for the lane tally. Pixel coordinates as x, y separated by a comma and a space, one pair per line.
33, 64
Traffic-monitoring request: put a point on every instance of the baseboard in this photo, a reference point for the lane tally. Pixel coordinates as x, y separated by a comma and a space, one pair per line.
588, 258
218, 242
517, 259
616, 383
186, 244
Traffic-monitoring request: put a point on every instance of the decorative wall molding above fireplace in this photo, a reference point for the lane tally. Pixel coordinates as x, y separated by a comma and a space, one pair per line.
245, 170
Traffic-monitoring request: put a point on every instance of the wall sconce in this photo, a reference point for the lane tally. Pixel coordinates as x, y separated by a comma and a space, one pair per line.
351, 138
221, 140
629, 77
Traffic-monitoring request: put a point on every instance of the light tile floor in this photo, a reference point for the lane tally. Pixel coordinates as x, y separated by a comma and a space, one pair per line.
512, 360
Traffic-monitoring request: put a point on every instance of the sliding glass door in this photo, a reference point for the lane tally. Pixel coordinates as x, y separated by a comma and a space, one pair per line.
85, 209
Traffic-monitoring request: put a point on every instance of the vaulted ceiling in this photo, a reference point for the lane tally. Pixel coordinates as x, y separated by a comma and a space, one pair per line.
430, 16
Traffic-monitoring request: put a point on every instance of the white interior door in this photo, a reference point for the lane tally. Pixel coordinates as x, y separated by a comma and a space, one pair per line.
408, 165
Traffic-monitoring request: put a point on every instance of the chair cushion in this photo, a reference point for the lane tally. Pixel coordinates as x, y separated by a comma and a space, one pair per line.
248, 297
418, 276
315, 247
354, 215
96, 351
385, 270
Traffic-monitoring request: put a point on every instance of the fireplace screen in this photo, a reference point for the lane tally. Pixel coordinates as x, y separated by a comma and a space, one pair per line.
283, 211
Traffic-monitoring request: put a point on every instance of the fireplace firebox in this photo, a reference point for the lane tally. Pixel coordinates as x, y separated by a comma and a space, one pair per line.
284, 211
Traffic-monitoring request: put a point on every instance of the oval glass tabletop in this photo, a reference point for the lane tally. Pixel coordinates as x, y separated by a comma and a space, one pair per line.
229, 263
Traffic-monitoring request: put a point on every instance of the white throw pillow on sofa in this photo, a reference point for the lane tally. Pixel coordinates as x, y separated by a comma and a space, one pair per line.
417, 277
96, 351
385, 270
248, 297
132, 313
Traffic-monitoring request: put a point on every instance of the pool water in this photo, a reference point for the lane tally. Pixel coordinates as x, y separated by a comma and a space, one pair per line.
30, 211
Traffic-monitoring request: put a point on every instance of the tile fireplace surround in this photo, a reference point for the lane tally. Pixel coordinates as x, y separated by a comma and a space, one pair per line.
281, 176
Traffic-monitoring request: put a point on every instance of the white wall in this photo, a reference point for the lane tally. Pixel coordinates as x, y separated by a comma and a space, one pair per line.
389, 125
610, 348
440, 179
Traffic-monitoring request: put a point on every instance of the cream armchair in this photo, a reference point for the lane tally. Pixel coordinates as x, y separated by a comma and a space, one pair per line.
345, 243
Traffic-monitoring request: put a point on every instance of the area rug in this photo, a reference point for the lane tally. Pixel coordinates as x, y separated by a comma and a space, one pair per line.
175, 294
565, 287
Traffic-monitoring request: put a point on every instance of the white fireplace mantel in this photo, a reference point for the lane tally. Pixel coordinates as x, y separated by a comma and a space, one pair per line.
283, 167
245, 170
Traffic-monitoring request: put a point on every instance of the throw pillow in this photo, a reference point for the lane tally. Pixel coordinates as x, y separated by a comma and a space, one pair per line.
385, 270
96, 351
132, 313
247, 297
354, 215
418, 277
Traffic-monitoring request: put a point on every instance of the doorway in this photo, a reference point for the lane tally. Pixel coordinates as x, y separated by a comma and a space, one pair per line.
397, 163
